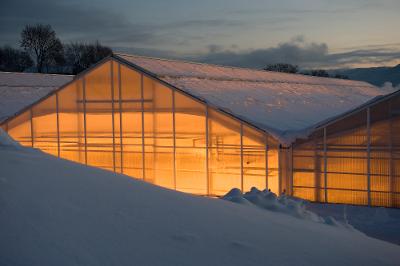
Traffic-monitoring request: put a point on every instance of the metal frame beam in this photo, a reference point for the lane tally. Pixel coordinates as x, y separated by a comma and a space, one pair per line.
58, 127
369, 155
325, 168
143, 137
112, 112
241, 158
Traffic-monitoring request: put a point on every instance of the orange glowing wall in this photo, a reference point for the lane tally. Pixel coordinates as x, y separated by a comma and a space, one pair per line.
354, 160
119, 119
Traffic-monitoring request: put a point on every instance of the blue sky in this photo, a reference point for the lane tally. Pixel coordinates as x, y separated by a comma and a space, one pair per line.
250, 33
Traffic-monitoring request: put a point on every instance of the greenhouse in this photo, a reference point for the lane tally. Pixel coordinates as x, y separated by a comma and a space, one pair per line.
206, 129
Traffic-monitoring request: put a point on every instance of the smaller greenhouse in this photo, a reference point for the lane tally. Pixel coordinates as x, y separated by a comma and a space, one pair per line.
205, 129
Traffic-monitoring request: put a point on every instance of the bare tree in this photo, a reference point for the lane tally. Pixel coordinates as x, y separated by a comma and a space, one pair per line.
319, 73
282, 67
82, 55
42, 43
14, 60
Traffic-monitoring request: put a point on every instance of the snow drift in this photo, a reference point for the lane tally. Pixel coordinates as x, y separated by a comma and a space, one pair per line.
55, 212
284, 204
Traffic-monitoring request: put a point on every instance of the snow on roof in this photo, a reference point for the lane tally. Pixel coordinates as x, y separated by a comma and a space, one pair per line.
283, 104
19, 90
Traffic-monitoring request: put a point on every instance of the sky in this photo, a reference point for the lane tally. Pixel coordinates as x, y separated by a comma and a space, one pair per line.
253, 33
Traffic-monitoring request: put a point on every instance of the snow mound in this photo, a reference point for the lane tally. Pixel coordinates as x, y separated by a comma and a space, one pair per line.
6, 140
284, 204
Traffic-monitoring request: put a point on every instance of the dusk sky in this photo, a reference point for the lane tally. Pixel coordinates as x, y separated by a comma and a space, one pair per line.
253, 33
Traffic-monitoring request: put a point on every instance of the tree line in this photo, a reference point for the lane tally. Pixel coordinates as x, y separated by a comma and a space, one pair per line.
294, 69
43, 52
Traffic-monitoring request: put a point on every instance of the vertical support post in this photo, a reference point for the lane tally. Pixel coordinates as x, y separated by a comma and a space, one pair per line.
369, 155
120, 119
391, 161
31, 117
58, 126
112, 112
241, 157
317, 173
266, 161
143, 144
290, 174
325, 168
84, 116
174, 137
207, 155
280, 170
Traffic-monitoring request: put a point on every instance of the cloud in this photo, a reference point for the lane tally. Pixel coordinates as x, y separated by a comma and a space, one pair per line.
74, 20
300, 52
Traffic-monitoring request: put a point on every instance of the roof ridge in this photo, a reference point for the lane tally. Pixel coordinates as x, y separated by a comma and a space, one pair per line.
239, 68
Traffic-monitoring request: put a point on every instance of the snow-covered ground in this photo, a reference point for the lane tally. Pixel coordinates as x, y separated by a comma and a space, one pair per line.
381, 223
55, 212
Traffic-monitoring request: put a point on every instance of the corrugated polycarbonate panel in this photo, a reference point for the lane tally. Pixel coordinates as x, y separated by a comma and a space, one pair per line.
71, 122
131, 122
159, 151
44, 119
347, 160
254, 156
190, 139
308, 168
99, 117
20, 128
363, 163
224, 153
273, 166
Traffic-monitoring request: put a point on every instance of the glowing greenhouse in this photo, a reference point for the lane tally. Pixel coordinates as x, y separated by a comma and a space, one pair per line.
206, 129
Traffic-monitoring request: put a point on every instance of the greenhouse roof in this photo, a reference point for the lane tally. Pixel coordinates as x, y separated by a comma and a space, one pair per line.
285, 105
19, 90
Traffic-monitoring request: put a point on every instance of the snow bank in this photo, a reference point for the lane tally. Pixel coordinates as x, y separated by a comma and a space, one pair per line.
284, 204
6, 140
55, 212
381, 223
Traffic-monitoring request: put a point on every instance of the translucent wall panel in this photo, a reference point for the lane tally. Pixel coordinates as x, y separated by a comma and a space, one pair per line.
19, 128
254, 156
304, 171
44, 119
395, 151
273, 166
362, 162
71, 122
158, 123
190, 139
116, 105
99, 117
380, 159
131, 117
309, 168
224, 153
347, 160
